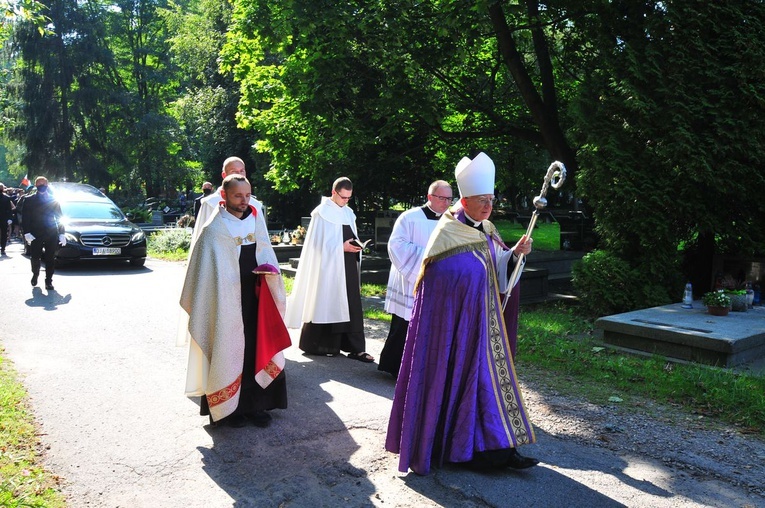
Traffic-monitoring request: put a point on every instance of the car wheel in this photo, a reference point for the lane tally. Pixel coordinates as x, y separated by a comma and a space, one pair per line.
138, 262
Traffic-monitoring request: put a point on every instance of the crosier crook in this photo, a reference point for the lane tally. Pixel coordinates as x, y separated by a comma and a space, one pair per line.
555, 176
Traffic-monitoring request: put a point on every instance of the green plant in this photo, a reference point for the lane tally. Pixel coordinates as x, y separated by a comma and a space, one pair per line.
716, 299
138, 214
603, 283
23, 482
167, 241
607, 284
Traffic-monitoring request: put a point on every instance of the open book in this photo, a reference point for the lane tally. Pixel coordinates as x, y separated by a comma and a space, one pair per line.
359, 243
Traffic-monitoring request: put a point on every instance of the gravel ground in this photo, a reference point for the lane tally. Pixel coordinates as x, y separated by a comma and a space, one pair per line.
692, 445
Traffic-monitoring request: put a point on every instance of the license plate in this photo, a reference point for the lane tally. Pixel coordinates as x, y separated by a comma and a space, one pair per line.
107, 251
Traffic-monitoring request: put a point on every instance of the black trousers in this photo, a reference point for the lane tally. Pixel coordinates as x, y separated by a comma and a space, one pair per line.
44, 246
4, 227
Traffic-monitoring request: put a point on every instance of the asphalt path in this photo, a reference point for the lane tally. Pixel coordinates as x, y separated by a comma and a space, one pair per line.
105, 378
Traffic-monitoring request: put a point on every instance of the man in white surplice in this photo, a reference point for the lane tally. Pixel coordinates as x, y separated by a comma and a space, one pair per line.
406, 247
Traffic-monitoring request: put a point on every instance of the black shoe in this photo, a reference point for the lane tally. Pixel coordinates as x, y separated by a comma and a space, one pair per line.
34, 280
236, 421
260, 419
518, 461
49, 286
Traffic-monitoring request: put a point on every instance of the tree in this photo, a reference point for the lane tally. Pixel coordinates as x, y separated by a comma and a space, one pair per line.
391, 94
672, 126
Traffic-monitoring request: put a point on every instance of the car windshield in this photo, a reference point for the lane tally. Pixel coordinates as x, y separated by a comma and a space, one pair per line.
74, 210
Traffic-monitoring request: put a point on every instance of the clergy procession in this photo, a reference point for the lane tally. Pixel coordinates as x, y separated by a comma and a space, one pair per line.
452, 336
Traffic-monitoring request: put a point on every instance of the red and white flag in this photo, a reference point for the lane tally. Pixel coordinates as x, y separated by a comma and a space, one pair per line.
25, 181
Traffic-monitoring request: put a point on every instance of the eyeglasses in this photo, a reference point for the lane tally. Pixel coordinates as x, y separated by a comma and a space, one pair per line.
343, 197
484, 202
443, 199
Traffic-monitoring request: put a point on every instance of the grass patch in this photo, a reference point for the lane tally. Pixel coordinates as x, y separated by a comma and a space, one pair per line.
374, 290
377, 314
22, 481
546, 236
554, 339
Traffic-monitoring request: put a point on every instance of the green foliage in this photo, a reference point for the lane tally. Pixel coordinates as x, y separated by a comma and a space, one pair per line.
606, 284
671, 124
391, 94
170, 240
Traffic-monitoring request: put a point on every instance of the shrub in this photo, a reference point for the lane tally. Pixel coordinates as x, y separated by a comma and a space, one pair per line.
170, 240
606, 284
138, 214
602, 281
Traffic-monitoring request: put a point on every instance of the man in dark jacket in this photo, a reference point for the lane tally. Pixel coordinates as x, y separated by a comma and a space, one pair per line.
6, 218
42, 230
207, 189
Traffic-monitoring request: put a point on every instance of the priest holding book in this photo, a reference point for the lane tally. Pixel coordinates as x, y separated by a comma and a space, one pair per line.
326, 295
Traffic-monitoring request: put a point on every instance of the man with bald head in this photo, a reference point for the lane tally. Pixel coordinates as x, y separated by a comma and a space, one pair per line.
234, 298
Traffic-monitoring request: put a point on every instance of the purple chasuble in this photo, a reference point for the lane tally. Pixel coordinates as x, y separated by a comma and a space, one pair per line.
457, 391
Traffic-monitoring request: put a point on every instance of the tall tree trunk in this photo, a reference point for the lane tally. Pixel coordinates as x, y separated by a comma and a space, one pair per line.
544, 112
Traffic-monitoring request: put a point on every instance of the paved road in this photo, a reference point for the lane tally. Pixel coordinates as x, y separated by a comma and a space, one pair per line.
97, 356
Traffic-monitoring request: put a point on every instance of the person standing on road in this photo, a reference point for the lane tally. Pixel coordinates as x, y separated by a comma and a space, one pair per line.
457, 397
43, 230
207, 189
235, 299
326, 295
406, 246
6, 218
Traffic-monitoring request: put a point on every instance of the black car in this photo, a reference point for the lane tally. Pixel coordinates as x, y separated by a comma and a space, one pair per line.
95, 227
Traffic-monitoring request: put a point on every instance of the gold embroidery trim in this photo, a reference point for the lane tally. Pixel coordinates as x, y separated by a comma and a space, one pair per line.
240, 240
224, 394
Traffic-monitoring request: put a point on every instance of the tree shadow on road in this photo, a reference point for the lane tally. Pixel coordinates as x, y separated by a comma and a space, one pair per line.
303, 457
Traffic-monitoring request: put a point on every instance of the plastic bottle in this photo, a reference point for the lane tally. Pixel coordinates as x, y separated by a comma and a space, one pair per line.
749, 295
688, 297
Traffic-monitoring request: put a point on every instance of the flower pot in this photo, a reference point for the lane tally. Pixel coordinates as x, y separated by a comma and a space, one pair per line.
718, 311
738, 303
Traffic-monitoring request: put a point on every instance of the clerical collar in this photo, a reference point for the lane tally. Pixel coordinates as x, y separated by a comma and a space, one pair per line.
429, 213
472, 222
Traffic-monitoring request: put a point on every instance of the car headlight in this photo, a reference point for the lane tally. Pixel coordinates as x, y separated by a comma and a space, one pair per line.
138, 236
70, 238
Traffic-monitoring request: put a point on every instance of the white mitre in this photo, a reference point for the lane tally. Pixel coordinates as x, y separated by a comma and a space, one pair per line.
475, 177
